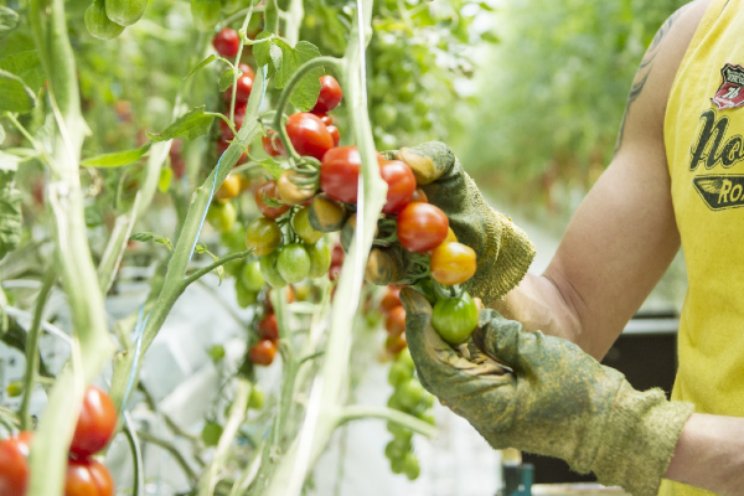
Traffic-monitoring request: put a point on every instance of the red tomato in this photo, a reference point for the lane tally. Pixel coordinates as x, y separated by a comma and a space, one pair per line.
327, 120
95, 425
268, 327
396, 344
88, 477
452, 263
401, 184
309, 135
390, 299
421, 227
14, 464
246, 69
330, 95
272, 144
268, 202
244, 85
226, 42
263, 352
335, 134
395, 322
339, 173
419, 196
337, 260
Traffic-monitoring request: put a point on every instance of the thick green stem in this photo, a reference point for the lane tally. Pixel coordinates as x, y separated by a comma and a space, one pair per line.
356, 412
32, 345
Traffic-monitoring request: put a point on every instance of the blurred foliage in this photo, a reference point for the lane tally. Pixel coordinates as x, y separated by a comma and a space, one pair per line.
552, 96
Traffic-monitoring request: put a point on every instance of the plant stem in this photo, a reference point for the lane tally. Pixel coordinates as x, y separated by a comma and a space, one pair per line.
356, 412
174, 452
197, 274
32, 345
134, 447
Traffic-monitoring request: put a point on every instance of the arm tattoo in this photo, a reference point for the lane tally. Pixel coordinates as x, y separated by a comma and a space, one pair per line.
644, 70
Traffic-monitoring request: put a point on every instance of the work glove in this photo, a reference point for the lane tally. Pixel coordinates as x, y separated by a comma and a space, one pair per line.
503, 251
544, 395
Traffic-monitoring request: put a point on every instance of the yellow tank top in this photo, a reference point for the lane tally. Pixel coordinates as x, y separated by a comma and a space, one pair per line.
703, 132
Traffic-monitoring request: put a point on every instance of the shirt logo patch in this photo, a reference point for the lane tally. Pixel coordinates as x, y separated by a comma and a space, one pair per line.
721, 192
731, 92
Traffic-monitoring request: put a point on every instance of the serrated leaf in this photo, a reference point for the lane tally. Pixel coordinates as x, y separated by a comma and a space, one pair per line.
8, 19
10, 213
191, 125
147, 237
201, 65
165, 179
116, 159
292, 59
17, 97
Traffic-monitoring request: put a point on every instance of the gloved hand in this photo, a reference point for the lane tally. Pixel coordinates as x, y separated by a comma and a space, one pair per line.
544, 395
503, 251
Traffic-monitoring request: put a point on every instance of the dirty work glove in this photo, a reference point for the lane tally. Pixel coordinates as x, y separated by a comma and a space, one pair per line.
548, 397
503, 251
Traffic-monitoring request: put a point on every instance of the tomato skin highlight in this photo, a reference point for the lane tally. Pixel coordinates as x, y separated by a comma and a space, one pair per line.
339, 173
95, 425
308, 134
14, 464
330, 95
226, 42
268, 201
455, 319
421, 227
452, 263
401, 184
88, 477
263, 352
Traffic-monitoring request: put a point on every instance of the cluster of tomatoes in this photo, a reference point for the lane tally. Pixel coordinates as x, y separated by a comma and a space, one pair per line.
85, 476
264, 349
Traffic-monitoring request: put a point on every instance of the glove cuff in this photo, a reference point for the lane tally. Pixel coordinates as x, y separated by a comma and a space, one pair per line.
638, 439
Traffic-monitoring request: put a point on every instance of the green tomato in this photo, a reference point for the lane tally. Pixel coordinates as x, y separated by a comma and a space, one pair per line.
267, 264
125, 12
256, 399
406, 359
399, 432
320, 258
293, 263
411, 466
411, 393
244, 296
455, 319
303, 228
98, 23
251, 277
398, 374
216, 352
222, 216
211, 433
262, 236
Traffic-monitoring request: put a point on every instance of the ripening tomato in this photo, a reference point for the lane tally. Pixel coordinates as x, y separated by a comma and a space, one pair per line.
394, 344
395, 322
390, 299
330, 95
401, 184
263, 352
272, 144
335, 134
302, 227
88, 477
419, 196
14, 464
308, 134
268, 201
268, 328
455, 318
291, 191
339, 173
452, 263
95, 425
230, 188
263, 236
421, 227
226, 42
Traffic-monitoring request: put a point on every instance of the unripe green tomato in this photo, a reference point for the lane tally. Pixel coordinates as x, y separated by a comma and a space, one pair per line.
303, 228
244, 296
256, 399
455, 319
267, 264
262, 236
399, 432
125, 12
211, 433
411, 466
222, 216
406, 359
293, 263
14, 389
320, 258
410, 394
251, 277
398, 374
98, 23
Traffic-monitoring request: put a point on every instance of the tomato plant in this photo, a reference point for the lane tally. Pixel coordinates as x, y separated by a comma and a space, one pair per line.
401, 185
452, 263
226, 42
421, 227
268, 200
308, 134
339, 173
263, 352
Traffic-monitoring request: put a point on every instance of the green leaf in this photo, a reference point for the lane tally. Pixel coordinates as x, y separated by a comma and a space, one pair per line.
191, 125
147, 237
8, 19
10, 213
294, 58
226, 79
306, 91
116, 159
201, 65
16, 58
261, 50
17, 97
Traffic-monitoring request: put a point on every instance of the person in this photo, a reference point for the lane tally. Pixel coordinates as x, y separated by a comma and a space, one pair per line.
675, 180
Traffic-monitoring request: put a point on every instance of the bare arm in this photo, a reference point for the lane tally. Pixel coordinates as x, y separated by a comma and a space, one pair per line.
623, 236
